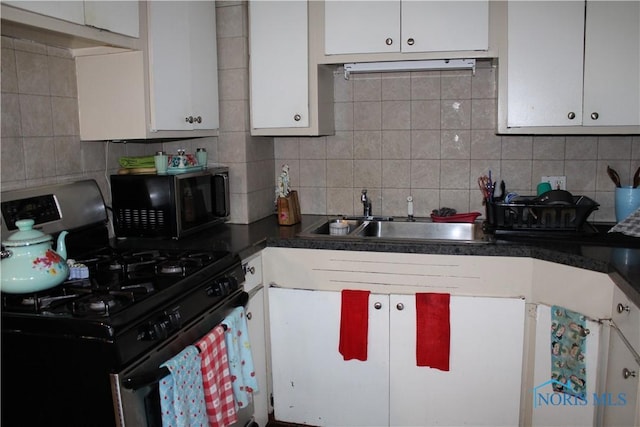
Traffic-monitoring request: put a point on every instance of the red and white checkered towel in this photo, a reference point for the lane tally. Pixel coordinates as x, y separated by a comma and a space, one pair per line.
216, 378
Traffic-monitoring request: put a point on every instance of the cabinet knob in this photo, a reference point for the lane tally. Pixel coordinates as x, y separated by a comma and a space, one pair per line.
198, 119
297, 117
410, 41
594, 116
250, 270
400, 306
189, 119
388, 41
377, 305
249, 315
626, 373
622, 308
571, 115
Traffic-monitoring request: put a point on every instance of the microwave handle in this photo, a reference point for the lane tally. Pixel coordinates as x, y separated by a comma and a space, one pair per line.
225, 181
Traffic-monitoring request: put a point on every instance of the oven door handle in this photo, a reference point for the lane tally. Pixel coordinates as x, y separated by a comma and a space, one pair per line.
146, 379
152, 377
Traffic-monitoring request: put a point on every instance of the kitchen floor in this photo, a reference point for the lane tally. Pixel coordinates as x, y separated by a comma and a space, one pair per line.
274, 423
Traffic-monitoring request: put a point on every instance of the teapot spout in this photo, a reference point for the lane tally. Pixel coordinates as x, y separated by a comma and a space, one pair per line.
61, 248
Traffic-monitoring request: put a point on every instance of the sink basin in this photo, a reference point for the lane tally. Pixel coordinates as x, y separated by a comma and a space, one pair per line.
325, 228
390, 228
419, 230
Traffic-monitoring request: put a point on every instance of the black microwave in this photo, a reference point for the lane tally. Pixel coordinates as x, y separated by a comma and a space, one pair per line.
169, 206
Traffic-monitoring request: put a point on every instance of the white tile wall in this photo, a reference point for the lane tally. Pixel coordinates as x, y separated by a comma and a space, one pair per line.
430, 135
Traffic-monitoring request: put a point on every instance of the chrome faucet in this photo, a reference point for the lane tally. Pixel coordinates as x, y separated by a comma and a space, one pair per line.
366, 203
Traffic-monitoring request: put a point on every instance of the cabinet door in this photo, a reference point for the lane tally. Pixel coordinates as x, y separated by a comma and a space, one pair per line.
626, 317
312, 383
545, 63
612, 63
120, 17
257, 334
483, 385
183, 65
72, 11
279, 64
436, 26
549, 411
621, 388
362, 26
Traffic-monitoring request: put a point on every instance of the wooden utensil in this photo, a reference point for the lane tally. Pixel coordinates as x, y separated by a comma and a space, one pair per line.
614, 176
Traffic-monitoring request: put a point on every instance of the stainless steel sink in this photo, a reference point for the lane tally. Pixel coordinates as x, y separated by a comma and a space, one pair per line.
419, 230
398, 229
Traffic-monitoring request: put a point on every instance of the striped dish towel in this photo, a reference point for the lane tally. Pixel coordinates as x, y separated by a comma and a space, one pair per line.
216, 378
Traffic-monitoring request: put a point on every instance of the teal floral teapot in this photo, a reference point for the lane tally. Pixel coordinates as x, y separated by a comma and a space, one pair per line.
29, 264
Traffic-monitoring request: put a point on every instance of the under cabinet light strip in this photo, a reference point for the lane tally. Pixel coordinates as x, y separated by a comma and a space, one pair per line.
384, 67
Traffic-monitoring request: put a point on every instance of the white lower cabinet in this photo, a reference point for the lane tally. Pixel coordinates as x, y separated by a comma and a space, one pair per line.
312, 384
619, 402
563, 410
256, 324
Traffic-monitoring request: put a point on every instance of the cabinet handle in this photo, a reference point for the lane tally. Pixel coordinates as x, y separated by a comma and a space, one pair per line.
571, 115
249, 316
410, 42
400, 306
377, 305
626, 373
189, 119
249, 269
594, 116
297, 117
388, 41
198, 119
622, 308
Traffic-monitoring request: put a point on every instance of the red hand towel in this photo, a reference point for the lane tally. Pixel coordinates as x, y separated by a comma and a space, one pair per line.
354, 324
433, 330
216, 378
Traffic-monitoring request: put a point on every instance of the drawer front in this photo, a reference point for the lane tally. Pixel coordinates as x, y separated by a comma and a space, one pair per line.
626, 316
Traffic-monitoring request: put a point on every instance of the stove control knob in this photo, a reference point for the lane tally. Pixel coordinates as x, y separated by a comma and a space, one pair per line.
161, 327
223, 286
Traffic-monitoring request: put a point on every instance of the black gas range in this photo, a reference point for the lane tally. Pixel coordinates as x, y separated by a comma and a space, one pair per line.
76, 349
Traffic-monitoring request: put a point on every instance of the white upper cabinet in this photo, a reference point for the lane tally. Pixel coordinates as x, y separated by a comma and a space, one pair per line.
72, 11
120, 17
279, 59
291, 93
361, 26
577, 73
405, 26
183, 65
612, 49
169, 89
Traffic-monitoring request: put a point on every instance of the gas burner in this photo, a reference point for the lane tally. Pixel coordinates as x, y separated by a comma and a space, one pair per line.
171, 267
181, 265
39, 303
101, 304
130, 262
138, 288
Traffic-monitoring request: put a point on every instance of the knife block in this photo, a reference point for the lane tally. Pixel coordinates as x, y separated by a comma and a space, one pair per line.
289, 209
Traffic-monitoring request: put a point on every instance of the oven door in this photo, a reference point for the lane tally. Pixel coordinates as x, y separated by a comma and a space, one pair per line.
135, 389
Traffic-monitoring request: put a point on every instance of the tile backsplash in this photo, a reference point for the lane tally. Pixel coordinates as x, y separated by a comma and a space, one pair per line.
430, 135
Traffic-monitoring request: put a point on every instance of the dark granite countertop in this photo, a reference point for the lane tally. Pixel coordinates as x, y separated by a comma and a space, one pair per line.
611, 253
